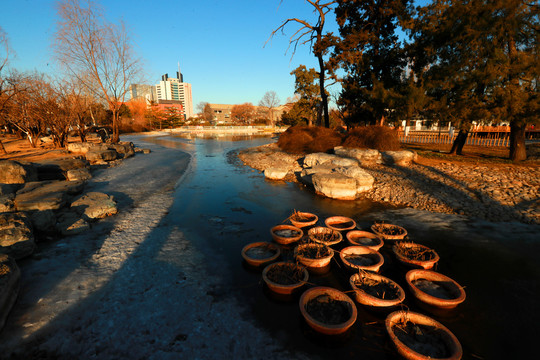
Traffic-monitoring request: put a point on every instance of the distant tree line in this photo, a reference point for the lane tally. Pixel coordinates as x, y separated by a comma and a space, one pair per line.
461, 62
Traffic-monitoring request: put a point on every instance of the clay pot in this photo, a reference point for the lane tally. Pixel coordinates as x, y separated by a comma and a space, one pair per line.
284, 289
448, 343
375, 302
308, 219
319, 326
377, 258
267, 253
415, 261
282, 239
340, 223
384, 231
316, 233
365, 238
313, 264
437, 291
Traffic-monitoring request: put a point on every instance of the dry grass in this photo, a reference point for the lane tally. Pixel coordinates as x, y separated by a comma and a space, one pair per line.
377, 137
308, 139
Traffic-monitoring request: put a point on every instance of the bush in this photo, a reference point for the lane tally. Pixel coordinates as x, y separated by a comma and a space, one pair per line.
308, 139
377, 137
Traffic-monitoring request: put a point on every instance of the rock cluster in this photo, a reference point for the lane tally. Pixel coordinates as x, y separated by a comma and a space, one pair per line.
46, 200
491, 192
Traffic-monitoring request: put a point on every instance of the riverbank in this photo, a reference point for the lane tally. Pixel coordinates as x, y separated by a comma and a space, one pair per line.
488, 191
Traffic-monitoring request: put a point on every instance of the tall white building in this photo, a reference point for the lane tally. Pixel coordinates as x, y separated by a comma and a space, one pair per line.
176, 89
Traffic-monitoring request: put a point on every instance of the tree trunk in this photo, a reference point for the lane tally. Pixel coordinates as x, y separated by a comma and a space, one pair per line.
116, 133
518, 152
461, 139
324, 97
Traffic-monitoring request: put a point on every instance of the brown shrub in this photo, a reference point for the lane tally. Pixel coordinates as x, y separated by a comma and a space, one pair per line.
377, 137
308, 139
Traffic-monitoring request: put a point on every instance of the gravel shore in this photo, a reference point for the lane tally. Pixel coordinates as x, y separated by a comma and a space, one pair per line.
489, 191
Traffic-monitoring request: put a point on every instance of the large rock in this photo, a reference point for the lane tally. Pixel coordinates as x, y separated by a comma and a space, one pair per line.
8, 189
10, 276
84, 147
99, 156
43, 221
306, 176
125, 148
94, 205
335, 186
363, 156
57, 169
399, 158
13, 172
78, 175
46, 195
275, 173
315, 159
16, 237
70, 223
6, 203
364, 180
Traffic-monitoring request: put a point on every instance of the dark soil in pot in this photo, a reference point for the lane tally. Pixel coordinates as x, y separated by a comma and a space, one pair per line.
327, 310
424, 339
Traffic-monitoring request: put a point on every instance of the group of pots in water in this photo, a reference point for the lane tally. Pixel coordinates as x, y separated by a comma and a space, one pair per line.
331, 311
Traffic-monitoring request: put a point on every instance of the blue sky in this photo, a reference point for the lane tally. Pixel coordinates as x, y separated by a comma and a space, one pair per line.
219, 44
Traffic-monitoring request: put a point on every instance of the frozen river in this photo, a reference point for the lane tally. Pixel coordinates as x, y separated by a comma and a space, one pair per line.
164, 279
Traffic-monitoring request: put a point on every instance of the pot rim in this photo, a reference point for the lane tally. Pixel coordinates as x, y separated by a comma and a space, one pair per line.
301, 224
425, 264
291, 287
365, 234
362, 250
430, 299
286, 240
374, 301
389, 237
330, 220
317, 229
258, 262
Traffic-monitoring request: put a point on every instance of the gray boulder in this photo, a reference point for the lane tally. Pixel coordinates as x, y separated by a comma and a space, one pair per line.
57, 169
275, 173
306, 176
125, 148
364, 180
8, 189
46, 195
6, 203
43, 221
335, 186
315, 159
363, 156
16, 237
14, 172
399, 158
70, 223
10, 276
94, 205
99, 156
82, 174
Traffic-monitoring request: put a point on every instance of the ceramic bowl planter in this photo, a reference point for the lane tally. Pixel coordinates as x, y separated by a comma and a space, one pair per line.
286, 234
324, 235
283, 277
327, 310
415, 256
340, 223
389, 231
314, 256
376, 291
303, 219
434, 289
361, 258
365, 238
419, 337
260, 253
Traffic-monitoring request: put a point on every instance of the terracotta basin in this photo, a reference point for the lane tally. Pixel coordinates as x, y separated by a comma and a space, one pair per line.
370, 298
340, 223
311, 263
320, 233
389, 231
260, 253
279, 236
445, 346
284, 289
372, 259
333, 294
415, 255
304, 219
434, 289
365, 238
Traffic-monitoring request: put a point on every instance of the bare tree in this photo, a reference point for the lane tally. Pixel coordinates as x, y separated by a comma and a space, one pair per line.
97, 53
270, 101
319, 41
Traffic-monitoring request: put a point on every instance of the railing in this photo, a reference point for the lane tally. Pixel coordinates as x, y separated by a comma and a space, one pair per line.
474, 138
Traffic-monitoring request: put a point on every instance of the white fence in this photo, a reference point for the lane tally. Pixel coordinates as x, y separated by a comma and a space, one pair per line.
495, 139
